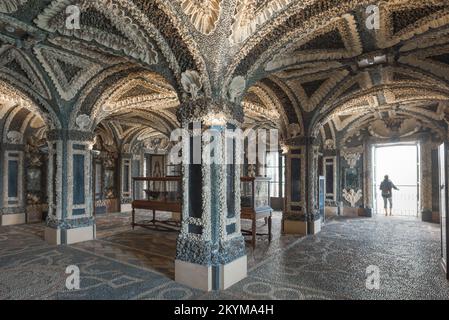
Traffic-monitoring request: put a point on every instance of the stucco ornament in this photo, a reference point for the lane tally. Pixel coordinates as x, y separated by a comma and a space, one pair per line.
329, 144
236, 88
352, 197
83, 122
8, 6
157, 144
351, 158
14, 137
191, 83
203, 14
294, 130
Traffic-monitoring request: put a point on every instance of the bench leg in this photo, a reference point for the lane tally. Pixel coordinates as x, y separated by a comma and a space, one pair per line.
270, 235
253, 242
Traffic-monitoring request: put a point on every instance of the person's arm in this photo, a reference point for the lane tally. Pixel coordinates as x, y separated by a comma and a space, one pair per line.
394, 187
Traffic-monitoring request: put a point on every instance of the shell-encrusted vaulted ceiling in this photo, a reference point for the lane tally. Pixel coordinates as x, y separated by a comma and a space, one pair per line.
300, 65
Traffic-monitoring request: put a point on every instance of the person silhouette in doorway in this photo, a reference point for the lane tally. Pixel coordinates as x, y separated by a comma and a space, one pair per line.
387, 187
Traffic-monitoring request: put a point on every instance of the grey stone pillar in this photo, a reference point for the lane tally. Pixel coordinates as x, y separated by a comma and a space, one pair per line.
70, 218
12, 182
301, 214
210, 248
368, 178
125, 192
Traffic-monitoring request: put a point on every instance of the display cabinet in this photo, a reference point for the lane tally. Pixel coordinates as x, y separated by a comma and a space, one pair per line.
161, 194
255, 205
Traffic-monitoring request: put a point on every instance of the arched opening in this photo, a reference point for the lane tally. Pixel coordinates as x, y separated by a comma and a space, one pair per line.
24, 157
354, 132
132, 121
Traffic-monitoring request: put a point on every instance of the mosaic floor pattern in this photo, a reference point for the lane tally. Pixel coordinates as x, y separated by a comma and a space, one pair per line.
127, 264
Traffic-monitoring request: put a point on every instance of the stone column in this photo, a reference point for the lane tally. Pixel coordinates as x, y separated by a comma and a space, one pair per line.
368, 178
125, 191
70, 200
12, 184
313, 212
210, 248
426, 179
301, 214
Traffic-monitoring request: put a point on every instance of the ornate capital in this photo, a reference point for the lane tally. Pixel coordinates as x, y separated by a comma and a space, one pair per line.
192, 83
209, 110
236, 89
14, 137
352, 156
9, 6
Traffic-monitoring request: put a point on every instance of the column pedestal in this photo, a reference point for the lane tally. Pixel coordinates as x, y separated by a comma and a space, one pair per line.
302, 228
12, 219
70, 236
295, 227
203, 277
315, 227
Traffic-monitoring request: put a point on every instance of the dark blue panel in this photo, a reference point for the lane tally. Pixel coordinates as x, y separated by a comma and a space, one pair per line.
13, 178
136, 168
195, 229
55, 171
126, 178
195, 194
78, 179
322, 196
329, 178
100, 210
195, 183
230, 228
79, 147
296, 180
78, 212
230, 199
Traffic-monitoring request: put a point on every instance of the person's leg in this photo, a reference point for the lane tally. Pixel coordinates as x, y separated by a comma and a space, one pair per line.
391, 205
385, 205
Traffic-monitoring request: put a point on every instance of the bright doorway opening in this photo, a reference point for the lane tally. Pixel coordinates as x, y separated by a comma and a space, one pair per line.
401, 163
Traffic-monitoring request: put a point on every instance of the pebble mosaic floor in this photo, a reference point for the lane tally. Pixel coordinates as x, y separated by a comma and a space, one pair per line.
138, 264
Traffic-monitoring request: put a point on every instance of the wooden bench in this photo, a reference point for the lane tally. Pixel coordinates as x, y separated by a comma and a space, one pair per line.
166, 201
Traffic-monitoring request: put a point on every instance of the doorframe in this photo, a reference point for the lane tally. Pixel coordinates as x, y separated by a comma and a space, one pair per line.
379, 145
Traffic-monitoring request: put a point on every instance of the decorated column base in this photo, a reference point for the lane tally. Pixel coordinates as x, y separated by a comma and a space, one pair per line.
297, 227
205, 266
430, 216
207, 277
70, 231
314, 227
302, 228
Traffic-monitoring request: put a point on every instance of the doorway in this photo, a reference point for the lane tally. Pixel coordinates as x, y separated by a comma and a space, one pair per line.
401, 162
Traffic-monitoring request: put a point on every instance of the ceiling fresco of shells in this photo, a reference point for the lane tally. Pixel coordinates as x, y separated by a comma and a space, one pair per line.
310, 67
